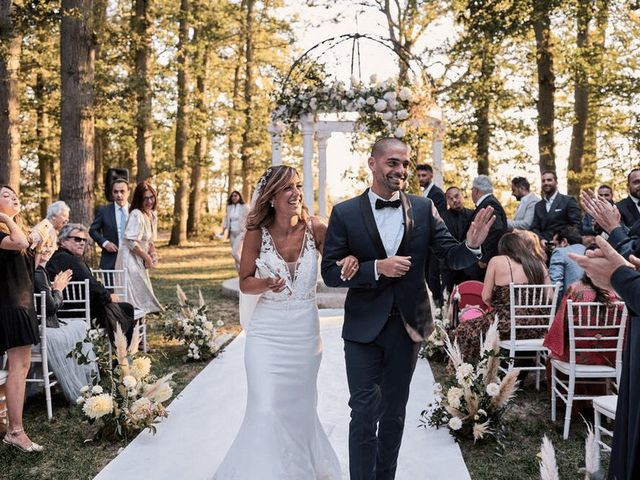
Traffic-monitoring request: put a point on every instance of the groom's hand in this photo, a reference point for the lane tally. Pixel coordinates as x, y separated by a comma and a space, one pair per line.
394, 267
479, 228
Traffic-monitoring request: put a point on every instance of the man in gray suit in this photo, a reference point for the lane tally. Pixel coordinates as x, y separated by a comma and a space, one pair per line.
524, 214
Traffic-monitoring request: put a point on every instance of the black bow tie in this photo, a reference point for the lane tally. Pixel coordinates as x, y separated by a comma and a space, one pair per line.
387, 204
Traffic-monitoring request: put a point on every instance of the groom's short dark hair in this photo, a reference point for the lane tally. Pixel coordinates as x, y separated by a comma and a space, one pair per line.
382, 144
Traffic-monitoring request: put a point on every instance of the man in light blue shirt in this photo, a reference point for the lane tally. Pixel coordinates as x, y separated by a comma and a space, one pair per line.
562, 268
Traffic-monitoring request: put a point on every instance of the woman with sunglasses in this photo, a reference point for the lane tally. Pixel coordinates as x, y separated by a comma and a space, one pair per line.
103, 305
137, 251
18, 322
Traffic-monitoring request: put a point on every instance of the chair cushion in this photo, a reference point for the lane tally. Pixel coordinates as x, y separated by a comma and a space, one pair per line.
585, 370
606, 404
524, 344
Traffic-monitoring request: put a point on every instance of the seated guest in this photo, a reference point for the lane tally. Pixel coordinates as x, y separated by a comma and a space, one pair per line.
62, 336
104, 306
514, 264
532, 241
562, 268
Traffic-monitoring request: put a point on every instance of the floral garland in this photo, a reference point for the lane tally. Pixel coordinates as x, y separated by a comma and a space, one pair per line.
385, 108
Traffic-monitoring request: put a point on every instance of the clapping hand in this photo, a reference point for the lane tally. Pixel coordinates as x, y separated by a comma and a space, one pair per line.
349, 266
479, 228
604, 213
602, 262
61, 280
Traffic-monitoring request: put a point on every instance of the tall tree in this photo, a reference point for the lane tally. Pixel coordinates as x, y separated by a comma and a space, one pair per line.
100, 23
45, 153
580, 98
249, 71
10, 46
545, 101
142, 21
179, 229
77, 49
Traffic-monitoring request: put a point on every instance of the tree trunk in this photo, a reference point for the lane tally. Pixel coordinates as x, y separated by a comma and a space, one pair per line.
546, 84
482, 110
201, 146
100, 21
247, 134
45, 155
179, 230
77, 49
232, 128
144, 121
11, 40
581, 102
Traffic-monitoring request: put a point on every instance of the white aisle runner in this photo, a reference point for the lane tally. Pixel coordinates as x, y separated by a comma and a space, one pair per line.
206, 416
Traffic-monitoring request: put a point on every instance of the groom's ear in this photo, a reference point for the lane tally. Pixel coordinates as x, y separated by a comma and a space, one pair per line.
371, 162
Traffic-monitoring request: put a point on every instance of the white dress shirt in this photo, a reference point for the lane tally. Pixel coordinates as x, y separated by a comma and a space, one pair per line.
426, 191
390, 223
549, 201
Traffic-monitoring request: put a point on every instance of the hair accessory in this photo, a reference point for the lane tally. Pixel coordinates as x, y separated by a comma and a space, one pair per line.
260, 185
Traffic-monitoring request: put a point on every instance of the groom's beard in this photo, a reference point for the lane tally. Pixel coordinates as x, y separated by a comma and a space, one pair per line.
395, 182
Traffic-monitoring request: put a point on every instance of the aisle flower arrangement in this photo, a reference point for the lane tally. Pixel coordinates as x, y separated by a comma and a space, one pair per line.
191, 327
126, 398
472, 400
434, 346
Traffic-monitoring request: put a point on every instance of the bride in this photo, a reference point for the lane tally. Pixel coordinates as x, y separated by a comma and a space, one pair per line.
281, 437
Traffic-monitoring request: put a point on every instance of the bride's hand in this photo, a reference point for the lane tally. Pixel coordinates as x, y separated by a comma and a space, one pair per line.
349, 266
275, 284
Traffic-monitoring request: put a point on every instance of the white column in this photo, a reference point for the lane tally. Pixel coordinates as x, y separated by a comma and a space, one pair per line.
322, 138
306, 127
275, 129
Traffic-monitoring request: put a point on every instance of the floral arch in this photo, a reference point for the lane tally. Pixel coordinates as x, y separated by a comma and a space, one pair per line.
378, 108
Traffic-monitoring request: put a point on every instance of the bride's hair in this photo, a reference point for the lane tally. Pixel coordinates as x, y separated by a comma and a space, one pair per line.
273, 181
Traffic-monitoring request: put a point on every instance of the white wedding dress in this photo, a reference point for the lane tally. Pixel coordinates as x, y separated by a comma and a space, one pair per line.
281, 437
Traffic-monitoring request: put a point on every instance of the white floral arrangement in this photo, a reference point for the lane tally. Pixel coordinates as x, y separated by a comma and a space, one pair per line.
191, 327
471, 401
129, 398
385, 108
433, 346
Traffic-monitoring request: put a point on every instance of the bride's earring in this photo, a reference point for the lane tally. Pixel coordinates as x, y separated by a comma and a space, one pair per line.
271, 203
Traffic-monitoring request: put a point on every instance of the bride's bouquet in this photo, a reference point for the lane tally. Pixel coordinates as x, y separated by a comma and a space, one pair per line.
129, 398
191, 327
471, 401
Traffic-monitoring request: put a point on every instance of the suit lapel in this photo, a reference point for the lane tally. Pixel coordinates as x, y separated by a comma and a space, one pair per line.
112, 215
408, 222
370, 224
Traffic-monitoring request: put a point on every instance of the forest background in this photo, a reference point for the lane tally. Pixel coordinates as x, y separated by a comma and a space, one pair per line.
181, 91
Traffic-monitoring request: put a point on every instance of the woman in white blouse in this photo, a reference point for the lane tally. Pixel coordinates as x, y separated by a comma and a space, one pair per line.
233, 223
137, 251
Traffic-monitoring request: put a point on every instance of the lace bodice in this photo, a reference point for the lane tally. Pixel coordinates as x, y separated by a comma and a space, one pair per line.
302, 286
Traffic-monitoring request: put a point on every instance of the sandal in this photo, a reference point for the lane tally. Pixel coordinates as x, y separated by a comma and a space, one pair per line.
34, 447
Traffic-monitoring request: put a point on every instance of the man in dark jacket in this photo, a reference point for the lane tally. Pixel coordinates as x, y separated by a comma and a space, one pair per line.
630, 207
555, 211
103, 305
482, 196
457, 219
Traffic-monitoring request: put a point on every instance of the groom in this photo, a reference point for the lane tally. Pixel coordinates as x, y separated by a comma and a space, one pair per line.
387, 311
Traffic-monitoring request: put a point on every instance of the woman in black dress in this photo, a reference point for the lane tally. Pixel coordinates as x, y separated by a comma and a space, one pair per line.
18, 322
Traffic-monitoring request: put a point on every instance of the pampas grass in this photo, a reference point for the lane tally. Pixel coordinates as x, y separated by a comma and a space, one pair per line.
182, 298
508, 388
135, 340
120, 342
453, 351
591, 453
548, 465
492, 344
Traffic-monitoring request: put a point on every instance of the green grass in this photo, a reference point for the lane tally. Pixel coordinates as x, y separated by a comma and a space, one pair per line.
527, 421
69, 453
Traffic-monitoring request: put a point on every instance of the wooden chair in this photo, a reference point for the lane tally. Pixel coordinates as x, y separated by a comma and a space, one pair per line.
117, 281
525, 299
39, 356
593, 327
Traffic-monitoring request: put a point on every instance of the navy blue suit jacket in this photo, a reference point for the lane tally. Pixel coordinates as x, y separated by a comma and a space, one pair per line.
104, 227
564, 211
352, 231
